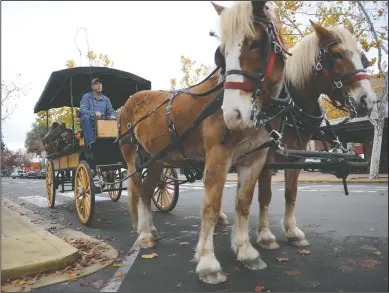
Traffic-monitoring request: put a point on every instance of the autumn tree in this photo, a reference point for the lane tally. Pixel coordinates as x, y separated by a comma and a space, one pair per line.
33, 142
2, 143
190, 74
10, 93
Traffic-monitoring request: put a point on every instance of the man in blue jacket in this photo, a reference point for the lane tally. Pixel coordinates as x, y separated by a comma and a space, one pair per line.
94, 105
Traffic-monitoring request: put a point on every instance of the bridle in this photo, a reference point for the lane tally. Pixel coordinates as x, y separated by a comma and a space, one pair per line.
325, 63
258, 83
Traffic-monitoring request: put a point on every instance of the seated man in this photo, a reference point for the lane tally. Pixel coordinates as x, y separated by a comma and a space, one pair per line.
94, 105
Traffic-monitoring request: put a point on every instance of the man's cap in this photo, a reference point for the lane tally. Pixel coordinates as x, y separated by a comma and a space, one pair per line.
96, 80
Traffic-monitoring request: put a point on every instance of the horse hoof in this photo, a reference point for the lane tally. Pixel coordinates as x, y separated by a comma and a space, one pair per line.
255, 264
269, 245
298, 242
146, 243
213, 277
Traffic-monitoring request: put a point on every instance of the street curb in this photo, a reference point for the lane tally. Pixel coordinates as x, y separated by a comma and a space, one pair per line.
60, 231
59, 262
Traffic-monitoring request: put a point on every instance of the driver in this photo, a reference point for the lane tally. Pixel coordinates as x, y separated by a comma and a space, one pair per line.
94, 105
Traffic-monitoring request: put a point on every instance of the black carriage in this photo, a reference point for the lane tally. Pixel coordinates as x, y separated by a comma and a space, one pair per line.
69, 165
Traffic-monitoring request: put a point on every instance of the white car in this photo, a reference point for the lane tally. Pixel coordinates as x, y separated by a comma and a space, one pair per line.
312, 161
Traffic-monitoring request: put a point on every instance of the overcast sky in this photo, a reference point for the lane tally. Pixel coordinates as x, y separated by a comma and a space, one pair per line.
144, 38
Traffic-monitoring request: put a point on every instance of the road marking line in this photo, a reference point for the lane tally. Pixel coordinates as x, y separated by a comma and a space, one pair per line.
71, 194
39, 201
115, 282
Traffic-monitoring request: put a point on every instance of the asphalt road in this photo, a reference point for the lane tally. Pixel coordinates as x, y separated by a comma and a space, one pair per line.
343, 231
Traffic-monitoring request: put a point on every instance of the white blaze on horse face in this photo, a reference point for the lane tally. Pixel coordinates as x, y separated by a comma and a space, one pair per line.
363, 94
236, 108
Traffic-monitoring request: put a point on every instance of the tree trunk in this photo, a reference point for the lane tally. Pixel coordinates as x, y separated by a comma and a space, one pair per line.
376, 153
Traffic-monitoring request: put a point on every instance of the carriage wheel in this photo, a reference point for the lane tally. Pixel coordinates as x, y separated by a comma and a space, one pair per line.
165, 196
84, 193
50, 188
113, 176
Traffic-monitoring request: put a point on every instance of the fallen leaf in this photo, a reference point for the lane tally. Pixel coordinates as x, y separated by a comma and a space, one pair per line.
84, 284
303, 252
117, 265
99, 284
259, 288
292, 273
120, 275
226, 230
282, 259
148, 256
377, 252
368, 263
214, 233
313, 284
184, 243
345, 269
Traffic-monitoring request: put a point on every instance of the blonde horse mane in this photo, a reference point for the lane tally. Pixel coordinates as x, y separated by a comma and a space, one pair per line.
238, 19
300, 66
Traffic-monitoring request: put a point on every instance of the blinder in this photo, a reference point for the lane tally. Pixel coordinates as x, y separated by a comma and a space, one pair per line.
220, 61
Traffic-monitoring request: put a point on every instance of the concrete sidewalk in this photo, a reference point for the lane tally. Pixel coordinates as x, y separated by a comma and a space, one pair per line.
316, 177
28, 249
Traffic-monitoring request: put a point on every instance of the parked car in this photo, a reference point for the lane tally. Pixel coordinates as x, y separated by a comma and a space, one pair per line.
32, 174
42, 174
312, 161
19, 174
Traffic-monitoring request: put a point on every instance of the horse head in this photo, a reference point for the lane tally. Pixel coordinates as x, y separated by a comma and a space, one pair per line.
341, 68
251, 56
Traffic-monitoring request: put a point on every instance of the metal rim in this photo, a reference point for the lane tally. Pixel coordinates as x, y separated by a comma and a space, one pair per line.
50, 190
166, 193
84, 193
115, 195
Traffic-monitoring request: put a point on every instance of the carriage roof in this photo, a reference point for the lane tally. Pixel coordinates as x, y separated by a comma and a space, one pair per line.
118, 85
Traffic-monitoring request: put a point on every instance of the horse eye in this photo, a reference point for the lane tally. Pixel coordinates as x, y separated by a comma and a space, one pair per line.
255, 45
337, 56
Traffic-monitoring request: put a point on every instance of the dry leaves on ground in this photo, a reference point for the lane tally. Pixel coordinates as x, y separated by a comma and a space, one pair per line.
282, 259
259, 288
292, 273
368, 263
117, 265
148, 256
303, 252
120, 275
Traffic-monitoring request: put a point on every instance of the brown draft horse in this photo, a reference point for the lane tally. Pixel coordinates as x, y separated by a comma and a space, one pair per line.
246, 27
339, 60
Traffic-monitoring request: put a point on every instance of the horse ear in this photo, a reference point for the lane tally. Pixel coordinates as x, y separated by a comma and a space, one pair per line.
350, 28
322, 33
258, 6
219, 9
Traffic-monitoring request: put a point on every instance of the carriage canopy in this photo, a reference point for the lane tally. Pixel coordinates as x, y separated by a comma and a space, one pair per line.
118, 85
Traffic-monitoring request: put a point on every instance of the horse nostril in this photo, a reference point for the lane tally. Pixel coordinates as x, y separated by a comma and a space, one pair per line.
363, 101
238, 114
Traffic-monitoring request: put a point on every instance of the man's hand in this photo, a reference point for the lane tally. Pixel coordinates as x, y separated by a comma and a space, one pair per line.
98, 114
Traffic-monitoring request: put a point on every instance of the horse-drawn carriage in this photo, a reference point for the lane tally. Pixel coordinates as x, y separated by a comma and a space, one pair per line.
256, 111
68, 163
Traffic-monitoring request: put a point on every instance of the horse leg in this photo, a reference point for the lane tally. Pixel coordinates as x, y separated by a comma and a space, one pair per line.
295, 236
266, 238
146, 229
217, 165
134, 184
240, 241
